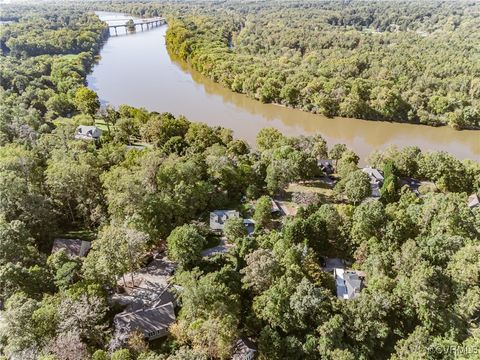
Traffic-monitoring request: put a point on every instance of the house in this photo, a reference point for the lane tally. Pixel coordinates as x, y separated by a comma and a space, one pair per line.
473, 201
219, 217
244, 349
85, 132
376, 180
73, 247
326, 165
348, 283
153, 322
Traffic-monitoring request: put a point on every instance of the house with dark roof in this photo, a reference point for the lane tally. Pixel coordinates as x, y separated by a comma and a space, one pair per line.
349, 283
376, 180
72, 247
85, 132
152, 322
326, 165
244, 349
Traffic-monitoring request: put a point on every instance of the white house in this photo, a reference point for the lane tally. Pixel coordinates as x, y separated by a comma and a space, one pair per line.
85, 132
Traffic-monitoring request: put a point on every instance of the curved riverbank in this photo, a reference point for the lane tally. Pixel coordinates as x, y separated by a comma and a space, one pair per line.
137, 70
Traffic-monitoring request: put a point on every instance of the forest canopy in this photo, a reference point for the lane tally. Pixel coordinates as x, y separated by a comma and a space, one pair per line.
146, 193
376, 60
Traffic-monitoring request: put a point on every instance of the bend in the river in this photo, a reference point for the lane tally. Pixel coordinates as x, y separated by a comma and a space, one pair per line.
137, 70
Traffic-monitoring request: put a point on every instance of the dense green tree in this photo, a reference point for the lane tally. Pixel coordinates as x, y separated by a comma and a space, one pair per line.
356, 186
447, 172
261, 270
234, 229
269, 138
209, 315
184, 244
336, 152
116, 251
86, 101
389, 189
263, 213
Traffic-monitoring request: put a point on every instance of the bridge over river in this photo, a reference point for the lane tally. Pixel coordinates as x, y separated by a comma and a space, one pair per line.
115, 23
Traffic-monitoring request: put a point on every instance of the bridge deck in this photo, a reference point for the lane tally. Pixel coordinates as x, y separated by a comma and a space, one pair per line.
136, 22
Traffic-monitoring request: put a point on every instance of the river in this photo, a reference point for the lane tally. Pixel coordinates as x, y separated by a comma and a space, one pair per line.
136, 69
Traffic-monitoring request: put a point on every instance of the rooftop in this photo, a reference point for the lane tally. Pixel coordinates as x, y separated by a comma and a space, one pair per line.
375, 174
152, 322
219, 217
244, 349
88, 132
150, 285
73, 247
349, 283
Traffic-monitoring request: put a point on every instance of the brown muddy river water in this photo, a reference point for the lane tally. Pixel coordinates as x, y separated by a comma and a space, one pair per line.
136, 69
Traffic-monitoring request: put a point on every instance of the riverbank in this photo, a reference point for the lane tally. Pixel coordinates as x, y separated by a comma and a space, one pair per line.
139, 71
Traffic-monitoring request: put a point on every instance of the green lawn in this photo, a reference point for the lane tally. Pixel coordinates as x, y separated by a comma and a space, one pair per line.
101, 124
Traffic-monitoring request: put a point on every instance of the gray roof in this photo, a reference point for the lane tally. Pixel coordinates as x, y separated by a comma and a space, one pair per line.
375, 190
375, 175
152, 322
353, 284
348, 283
218, 218
275, 207
73, 247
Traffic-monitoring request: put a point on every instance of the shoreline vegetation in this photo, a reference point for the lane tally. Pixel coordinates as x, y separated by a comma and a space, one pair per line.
346, 65
141, 196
